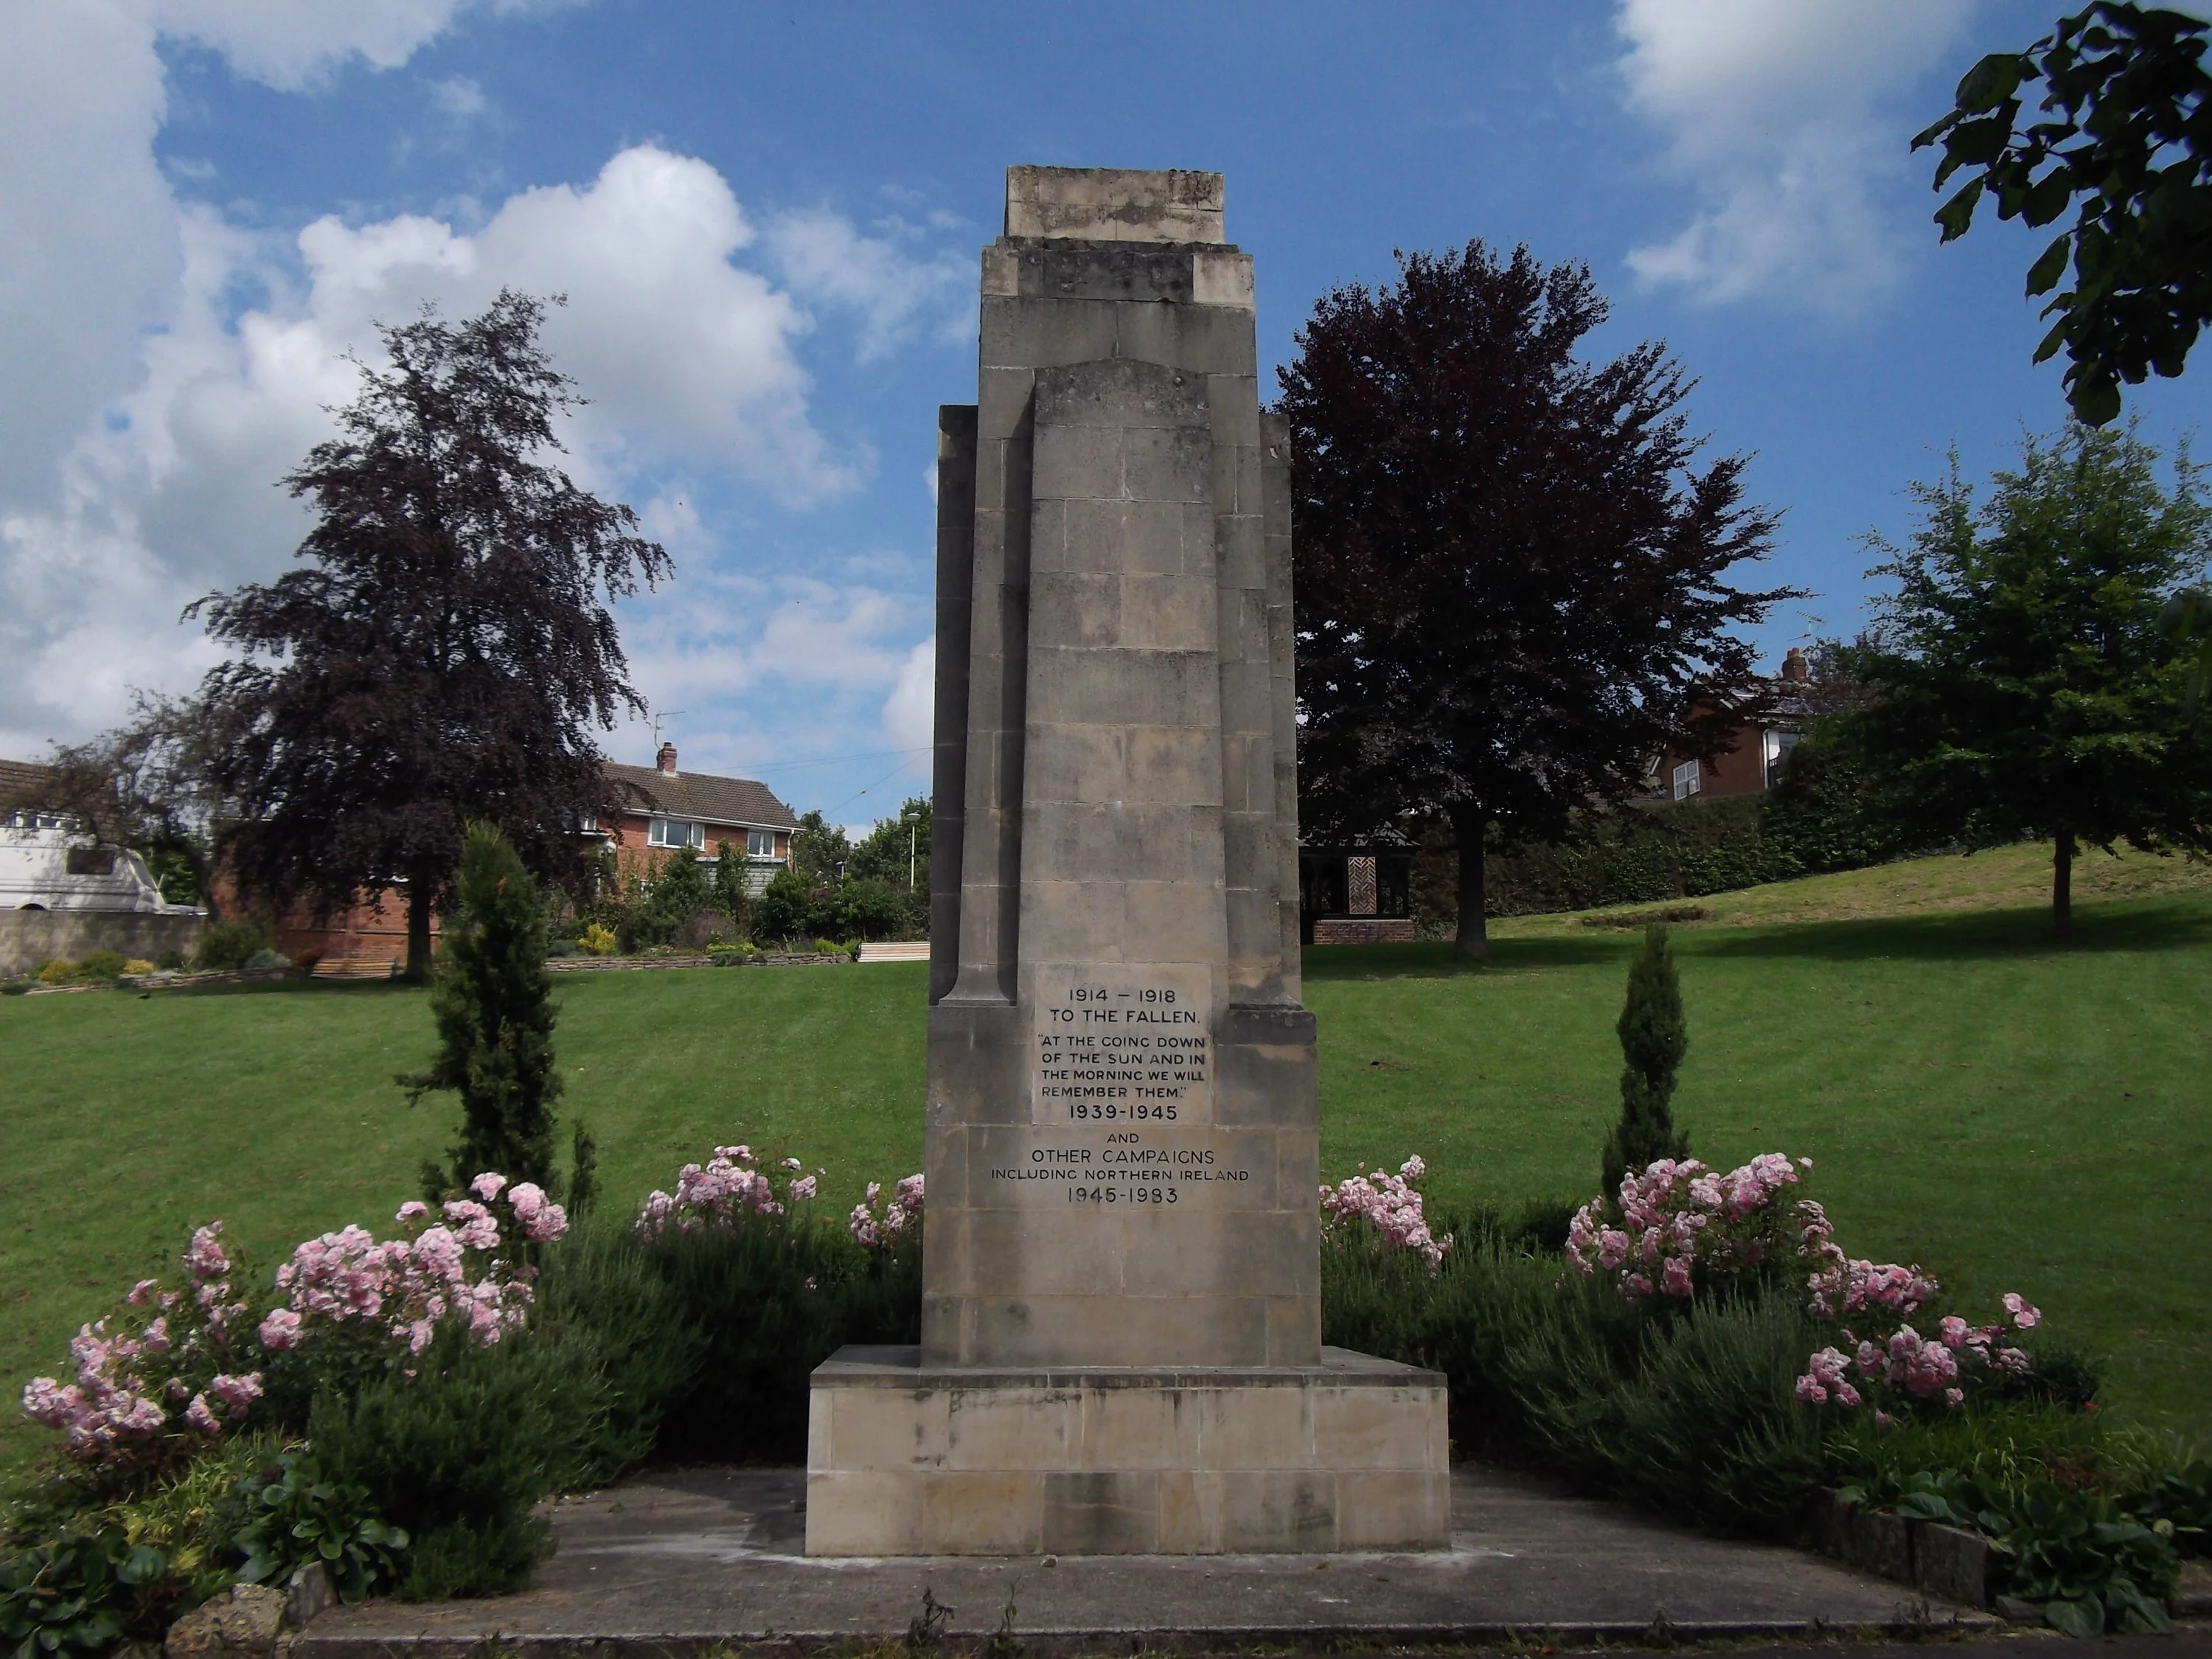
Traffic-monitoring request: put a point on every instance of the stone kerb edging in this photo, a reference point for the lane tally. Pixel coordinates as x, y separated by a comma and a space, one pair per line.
1946, 1561
161, 981
628, 964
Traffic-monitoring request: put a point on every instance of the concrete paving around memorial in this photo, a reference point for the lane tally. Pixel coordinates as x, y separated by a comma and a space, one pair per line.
681, 1560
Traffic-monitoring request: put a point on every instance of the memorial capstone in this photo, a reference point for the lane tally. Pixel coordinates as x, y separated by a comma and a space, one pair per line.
1120, 1318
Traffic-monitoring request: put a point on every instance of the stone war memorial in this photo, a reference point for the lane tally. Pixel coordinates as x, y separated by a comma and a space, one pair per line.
1120, 1332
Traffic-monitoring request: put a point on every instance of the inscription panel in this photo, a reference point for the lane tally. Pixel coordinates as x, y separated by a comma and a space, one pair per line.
1118, 1044
1145, 1169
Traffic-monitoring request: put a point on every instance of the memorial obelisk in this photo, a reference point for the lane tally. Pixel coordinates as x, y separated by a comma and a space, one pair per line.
1121, 1321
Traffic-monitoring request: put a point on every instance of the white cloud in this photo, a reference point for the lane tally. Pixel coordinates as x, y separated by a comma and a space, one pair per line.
161, 366
459, 97
909, 712
293, 44
895, 295
1785, 116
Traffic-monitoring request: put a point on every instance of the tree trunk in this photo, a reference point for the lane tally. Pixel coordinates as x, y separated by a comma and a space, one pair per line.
1472, 942
418, 931
2061, 887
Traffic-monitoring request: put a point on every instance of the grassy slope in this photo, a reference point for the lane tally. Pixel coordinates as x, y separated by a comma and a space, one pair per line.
2013, 1113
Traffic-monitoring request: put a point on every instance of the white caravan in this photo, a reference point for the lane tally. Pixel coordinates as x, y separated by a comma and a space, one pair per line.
46, 863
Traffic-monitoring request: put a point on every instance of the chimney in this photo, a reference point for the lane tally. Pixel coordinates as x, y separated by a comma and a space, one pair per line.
666, 760
1793, 670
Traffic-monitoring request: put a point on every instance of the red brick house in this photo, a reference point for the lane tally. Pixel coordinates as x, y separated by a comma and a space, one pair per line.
672, 809
668, 809
1758, 745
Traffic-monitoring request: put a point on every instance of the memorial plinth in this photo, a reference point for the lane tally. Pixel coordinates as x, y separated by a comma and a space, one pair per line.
1121, 1317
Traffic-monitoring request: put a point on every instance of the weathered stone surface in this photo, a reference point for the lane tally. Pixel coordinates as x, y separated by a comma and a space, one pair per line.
1348, 1454
1122, 1147
246, 1618
308, 1595
679, 1561
1953, 1563
1114, 205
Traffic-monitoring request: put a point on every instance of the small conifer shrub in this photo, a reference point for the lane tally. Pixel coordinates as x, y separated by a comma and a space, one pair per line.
1654, 1037
493, 1005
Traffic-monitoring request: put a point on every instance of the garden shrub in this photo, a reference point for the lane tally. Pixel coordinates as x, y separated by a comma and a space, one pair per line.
139, 965
227, 944
58, 971
82, 1592
264, 961
775, 1289
102, 965
1691, 1412
598, 940
458, 1455
600, 1286
493, 1003
295, 1516
171, 961
1654, 1037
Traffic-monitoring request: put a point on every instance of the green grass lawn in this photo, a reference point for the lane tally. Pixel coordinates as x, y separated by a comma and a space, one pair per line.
2010, 1112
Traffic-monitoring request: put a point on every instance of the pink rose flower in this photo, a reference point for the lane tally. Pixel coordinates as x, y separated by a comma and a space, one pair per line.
280, 1331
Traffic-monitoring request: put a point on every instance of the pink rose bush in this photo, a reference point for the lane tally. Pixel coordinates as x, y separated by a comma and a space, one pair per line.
1676, 1223
732, 1183
446, 1265
1387, 1203
181, 1365
875, 1229
163, 1378
1676, 1227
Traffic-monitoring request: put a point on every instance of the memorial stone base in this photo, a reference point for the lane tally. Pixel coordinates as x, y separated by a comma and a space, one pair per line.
1350, 1454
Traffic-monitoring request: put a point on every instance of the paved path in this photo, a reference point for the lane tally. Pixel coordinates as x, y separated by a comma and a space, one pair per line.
681, 1560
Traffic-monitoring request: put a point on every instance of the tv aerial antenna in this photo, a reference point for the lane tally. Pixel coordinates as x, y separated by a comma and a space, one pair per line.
663, 715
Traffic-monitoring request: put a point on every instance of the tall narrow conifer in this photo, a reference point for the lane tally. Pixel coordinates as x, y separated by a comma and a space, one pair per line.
494, 1004
1654, 1037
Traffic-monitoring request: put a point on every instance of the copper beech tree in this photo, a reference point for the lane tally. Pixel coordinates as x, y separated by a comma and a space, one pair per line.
1510, 592
443, 649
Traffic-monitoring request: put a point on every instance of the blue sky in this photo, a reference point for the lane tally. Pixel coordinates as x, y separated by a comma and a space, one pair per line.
767, 219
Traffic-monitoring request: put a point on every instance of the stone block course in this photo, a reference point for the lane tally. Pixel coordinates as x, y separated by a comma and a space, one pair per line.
1122, 1154
1091, 1460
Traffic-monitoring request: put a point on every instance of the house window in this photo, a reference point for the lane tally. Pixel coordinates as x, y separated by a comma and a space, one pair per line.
1778, 745
1687, 780
759, 843
675, 832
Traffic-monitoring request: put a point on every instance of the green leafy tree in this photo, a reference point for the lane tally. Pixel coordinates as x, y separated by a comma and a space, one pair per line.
819, 850
871, 908
781, 910
732, 894
674, 894
493, 1006
2187, 620
1654, 1037
2025, 685
896, 853
2126, 140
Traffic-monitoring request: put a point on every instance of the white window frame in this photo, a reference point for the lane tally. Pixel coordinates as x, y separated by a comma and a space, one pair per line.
759, 843
1689, 779
1777, 747
664, 832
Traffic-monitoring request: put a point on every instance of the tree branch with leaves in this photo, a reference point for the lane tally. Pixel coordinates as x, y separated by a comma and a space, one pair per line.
2125, 140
